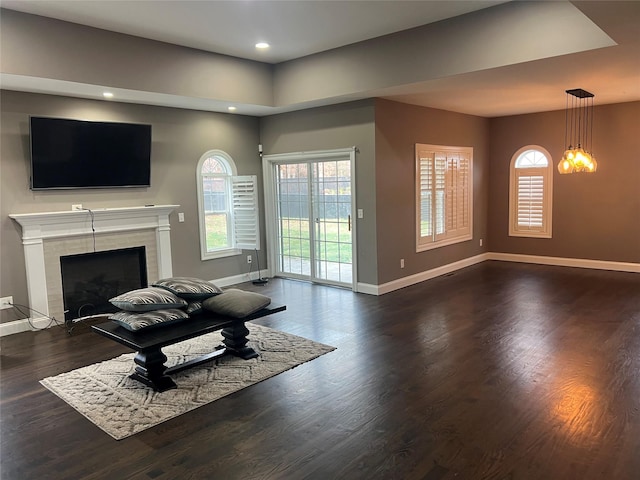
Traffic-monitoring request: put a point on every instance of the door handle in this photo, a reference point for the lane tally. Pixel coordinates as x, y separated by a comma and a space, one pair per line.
349, 221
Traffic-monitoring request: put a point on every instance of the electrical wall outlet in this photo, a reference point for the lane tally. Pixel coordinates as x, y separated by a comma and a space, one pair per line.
402, 263
6, 302
76, 206
480, 242
249, 259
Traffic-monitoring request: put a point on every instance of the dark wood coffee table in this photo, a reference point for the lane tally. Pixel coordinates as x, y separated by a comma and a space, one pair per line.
150, 367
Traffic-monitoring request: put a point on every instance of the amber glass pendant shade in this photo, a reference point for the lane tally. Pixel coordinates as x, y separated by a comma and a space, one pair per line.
578, 132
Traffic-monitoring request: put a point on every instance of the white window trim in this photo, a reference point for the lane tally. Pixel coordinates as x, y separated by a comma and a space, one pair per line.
423, 243
547, 172
243, 203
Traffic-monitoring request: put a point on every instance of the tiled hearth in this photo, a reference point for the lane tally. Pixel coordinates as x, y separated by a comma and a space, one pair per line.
48, 236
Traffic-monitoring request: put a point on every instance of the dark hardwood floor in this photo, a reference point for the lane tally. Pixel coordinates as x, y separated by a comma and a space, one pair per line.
499, 371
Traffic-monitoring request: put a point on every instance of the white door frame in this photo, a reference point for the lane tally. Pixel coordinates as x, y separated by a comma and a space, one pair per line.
270, 206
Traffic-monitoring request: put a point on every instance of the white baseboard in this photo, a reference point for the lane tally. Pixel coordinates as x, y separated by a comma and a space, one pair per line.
235, 279
367, 288
428, 274
23, 325
566, 262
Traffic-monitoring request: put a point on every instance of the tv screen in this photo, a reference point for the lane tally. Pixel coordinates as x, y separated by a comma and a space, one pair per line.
81, 154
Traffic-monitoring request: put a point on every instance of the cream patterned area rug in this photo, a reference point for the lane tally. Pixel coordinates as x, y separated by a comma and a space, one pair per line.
120, 406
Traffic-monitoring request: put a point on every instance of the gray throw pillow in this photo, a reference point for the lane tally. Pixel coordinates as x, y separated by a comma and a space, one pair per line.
135, 321
146, 299
236, 303
189, 288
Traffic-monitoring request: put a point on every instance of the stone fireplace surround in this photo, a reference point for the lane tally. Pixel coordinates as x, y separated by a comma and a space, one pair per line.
48, 236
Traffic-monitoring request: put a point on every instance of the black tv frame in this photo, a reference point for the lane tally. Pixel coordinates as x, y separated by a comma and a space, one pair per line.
74, 154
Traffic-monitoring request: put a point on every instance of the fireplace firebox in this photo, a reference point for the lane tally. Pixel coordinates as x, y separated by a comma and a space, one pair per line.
89, 280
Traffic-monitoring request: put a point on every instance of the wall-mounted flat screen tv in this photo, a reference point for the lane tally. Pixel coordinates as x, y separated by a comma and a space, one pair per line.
68, 154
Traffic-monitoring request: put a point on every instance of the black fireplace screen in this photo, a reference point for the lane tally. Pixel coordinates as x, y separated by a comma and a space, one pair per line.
89, 280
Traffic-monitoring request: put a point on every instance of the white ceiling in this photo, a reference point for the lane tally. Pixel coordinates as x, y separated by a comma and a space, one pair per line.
303, 27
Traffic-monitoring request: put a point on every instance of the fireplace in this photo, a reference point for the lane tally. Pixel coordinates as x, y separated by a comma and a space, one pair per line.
90, 279
49, 236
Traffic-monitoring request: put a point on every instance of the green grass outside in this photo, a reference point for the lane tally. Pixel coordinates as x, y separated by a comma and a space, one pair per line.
295, 238
296, 241
216, 231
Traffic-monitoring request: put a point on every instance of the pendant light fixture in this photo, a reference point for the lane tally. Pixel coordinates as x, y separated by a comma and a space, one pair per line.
578, 142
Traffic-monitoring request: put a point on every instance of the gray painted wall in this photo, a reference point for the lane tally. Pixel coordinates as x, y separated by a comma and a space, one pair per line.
338, 126
180, 138
43, 47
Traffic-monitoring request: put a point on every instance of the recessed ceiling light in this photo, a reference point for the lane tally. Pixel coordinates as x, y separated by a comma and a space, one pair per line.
262, 45
231, 109
107, 95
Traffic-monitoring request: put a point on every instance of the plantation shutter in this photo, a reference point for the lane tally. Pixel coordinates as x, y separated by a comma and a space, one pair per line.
444, 195
245, 212
530, 201
425, 202
440, 173
457, 219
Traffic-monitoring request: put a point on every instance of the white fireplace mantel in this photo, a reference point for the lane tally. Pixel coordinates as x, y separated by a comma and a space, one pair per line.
39, 227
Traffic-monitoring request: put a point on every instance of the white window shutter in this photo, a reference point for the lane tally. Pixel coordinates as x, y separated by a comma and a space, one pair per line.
440, 190
425, 221
444, 199
530, 201
453, 216
458, 191
245, 212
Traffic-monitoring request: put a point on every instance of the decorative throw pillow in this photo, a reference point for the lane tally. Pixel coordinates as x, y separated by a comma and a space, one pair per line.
145, 299
135, 321
194, 308
236, 303
189, 288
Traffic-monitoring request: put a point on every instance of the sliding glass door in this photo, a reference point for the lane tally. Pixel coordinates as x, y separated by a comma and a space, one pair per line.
312, 229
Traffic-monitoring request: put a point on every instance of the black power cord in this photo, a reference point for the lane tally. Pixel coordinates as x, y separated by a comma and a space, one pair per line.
93, 226
260, 280
68, 325
52, 320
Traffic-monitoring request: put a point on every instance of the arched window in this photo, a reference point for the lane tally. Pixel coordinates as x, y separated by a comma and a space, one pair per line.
227, 206
530, 193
